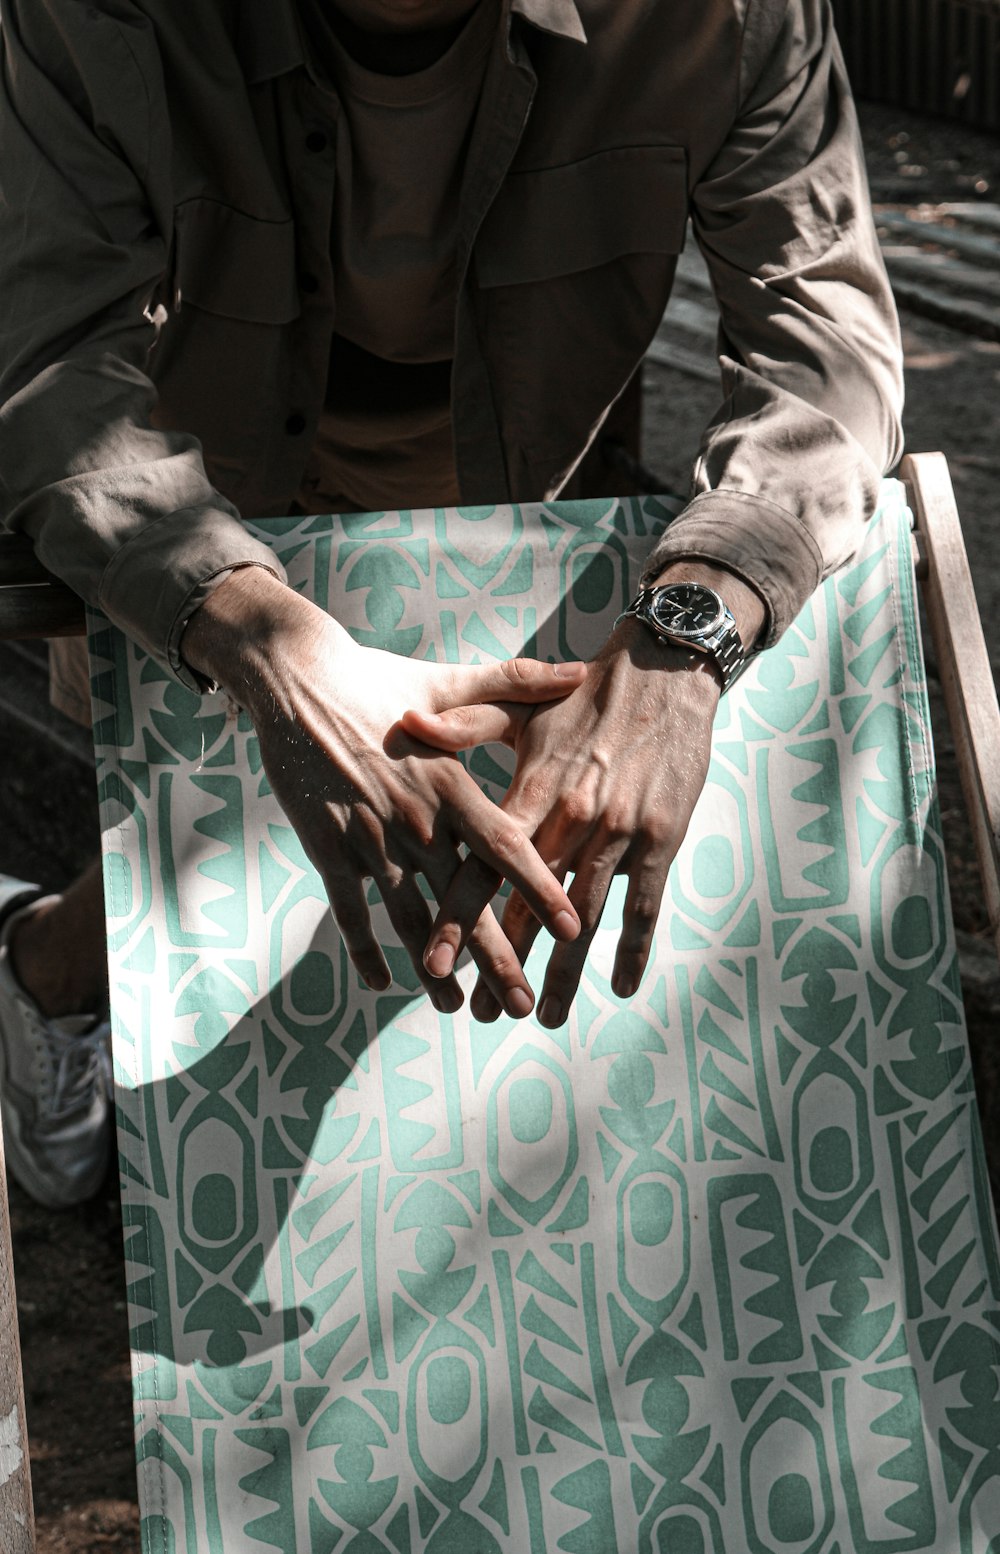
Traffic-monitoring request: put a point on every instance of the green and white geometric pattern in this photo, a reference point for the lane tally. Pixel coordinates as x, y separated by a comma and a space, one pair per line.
713, 1271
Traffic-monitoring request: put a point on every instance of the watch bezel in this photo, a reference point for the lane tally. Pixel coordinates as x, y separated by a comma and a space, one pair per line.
664, 595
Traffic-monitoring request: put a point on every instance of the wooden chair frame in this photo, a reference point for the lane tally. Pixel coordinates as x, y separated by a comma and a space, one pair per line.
34, 604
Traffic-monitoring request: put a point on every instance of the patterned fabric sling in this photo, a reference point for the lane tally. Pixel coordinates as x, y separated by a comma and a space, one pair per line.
709, 1272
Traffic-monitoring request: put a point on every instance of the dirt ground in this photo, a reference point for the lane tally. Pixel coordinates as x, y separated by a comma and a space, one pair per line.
69, 1267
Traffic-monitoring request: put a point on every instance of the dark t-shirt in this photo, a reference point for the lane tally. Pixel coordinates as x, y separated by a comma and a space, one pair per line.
408, 105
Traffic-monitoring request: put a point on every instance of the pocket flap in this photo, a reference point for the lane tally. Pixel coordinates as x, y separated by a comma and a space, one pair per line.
234, 264
560, 220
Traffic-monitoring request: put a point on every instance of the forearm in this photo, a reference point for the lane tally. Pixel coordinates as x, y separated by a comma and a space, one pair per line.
123, 512
789, 469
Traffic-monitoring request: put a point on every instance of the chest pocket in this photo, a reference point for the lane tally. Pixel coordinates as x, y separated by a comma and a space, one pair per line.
562, 220
234, 265
222, 360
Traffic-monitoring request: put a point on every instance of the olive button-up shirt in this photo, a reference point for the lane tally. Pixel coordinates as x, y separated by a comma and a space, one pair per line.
167, 300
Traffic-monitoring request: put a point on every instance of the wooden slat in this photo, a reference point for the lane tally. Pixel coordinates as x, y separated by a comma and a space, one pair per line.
41, 610
970, 244
33, 603
967, 315
978, 214
17, 1522
963, 662
956, 278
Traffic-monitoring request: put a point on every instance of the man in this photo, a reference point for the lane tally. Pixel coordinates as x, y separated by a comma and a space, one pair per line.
342, 254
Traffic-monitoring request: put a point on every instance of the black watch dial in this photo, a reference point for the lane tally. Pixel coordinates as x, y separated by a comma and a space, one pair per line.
687, 609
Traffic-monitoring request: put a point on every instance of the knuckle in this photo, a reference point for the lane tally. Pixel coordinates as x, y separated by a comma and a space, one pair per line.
516, 670
450, 779
578, 807
417, 820
532, 795
619, 826
644, 914
503, 964
391, 880
506, 842
659, 832
421, 828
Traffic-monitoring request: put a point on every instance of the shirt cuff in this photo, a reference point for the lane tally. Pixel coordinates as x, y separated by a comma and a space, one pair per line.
766, 546
156, 582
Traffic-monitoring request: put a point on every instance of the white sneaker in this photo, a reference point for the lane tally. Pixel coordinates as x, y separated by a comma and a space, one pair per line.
55, 1083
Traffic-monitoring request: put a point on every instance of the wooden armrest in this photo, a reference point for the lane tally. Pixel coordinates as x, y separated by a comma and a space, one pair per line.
960, 647
33, 603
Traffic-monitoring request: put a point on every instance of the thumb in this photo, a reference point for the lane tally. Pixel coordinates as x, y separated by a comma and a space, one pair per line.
462, 727
516, 679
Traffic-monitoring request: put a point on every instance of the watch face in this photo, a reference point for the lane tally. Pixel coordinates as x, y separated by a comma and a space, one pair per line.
687, 609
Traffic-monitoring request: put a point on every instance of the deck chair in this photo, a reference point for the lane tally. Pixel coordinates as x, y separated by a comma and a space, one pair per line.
715, 1269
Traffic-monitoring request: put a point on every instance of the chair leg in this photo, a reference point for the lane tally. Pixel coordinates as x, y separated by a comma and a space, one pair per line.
17, 1521
966, 674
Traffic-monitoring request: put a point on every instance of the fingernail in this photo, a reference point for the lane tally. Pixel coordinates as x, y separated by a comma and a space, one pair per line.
440, 961
519, 1002
550, 1010
622, 986
566, 671
378, 981
565, 925
448, 999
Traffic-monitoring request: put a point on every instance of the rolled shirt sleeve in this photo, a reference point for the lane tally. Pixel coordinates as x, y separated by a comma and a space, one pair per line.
123, 512
789, 469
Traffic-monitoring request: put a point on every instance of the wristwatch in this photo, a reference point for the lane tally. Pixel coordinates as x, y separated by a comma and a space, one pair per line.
693, 615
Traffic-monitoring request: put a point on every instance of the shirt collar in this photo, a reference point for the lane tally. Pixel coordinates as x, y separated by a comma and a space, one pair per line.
560, 17
269, 42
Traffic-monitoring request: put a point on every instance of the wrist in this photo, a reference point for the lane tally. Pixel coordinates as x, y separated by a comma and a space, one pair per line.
243, 626
646, 652
745, 603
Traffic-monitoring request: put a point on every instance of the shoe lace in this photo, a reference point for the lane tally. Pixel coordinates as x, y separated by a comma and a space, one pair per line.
79, 1065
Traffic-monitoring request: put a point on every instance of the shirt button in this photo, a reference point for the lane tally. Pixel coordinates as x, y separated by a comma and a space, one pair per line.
295, 425
308, 283
316, 141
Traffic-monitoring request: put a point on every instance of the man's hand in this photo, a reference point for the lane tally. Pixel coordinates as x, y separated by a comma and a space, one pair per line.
366, 799
605, 784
